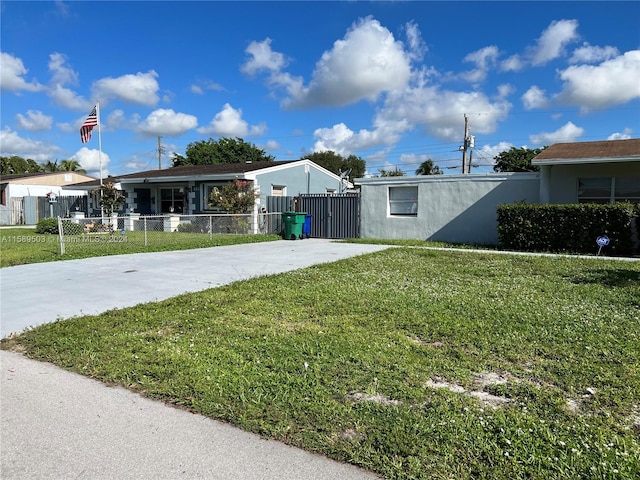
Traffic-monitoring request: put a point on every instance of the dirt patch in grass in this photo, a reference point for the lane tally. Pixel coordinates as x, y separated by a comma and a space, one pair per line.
480, 382
375, 398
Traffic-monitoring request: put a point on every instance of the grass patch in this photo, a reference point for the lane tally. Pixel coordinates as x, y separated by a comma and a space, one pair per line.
412, 363
419, 243
22, 245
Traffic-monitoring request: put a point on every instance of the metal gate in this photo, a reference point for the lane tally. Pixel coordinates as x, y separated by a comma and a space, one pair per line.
332, 215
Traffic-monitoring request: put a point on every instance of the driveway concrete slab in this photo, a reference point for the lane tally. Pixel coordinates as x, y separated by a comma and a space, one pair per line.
58, 425
38, 293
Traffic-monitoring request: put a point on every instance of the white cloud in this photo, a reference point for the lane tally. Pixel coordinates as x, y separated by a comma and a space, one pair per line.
613, 82
417, 47
67, 98
141, 88
34, 121
553, 41
229, 123
60, 72
90, 161
487, 153
505, 90
567, 133
12, 71
512, 64
441, 112
167, 122
272, 146
625, 135
484, 59
200, 87
13, 144
590, 54
365, 63
534, 98
344, 141
263, 58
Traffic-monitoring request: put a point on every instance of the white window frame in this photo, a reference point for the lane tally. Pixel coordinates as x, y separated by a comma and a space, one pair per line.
405, 203
281, 188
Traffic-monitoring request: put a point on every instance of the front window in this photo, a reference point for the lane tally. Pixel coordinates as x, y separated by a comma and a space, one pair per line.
172, 200
403, 201
608, 189
627, 190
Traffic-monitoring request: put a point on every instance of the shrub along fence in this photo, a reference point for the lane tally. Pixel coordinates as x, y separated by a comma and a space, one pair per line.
571, 228
160, 230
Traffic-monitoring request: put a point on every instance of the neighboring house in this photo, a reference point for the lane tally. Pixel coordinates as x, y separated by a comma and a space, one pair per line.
186, 189
15, 188
590, 172
462, 208
448, 208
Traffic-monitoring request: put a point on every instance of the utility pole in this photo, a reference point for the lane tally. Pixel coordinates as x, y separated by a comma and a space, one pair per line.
465, 145
159, 153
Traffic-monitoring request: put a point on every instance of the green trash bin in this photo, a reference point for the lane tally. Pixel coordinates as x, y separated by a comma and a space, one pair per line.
293, 223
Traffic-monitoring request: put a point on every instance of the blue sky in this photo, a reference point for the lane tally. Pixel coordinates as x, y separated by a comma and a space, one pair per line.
389, 82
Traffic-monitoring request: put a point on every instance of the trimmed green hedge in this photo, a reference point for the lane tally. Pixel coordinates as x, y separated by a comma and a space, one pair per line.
571, 228
50, 226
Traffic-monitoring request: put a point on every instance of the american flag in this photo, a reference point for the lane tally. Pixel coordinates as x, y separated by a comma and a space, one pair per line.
87, 126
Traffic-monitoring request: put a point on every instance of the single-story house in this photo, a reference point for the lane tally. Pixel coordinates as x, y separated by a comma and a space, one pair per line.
16, 189
590, 172
186, 189
462, 208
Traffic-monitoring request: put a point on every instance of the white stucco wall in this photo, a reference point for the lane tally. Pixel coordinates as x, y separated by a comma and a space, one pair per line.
451, 208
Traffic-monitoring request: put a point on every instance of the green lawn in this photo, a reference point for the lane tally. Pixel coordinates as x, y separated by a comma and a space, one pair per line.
22, 245
412, 363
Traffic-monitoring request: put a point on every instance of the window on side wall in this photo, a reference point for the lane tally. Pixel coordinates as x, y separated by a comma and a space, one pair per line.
278, 191
608, 189
594, 190
627, 190
403, 201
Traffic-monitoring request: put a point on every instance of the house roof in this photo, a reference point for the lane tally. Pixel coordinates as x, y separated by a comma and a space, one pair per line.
221, 171
23, 177
590, 152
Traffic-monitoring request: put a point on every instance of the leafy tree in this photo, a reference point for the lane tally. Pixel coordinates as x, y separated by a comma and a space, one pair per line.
15, 165
71, 166
396, 172
516, 160
235, 197
428, 168
111, 199
338, 164
224, 150
50, 166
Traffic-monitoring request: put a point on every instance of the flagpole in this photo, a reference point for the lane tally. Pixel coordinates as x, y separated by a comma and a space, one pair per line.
100, 156
99, 139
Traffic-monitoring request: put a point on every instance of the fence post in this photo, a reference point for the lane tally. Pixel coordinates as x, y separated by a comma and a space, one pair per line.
210, 227
145, 231
61, 235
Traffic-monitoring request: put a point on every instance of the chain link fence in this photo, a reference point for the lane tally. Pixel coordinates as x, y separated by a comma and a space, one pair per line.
161, 230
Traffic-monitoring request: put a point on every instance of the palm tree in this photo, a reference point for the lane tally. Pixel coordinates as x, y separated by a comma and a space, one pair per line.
428, 168
51, 166
71, 166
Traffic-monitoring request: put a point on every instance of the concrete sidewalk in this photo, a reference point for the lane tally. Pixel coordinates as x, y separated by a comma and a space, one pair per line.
58, 425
